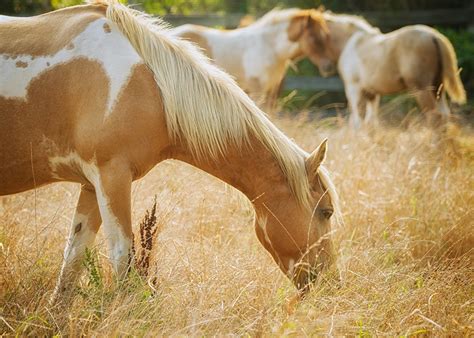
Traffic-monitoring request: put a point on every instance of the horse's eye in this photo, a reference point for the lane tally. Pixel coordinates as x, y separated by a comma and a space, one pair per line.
327, 213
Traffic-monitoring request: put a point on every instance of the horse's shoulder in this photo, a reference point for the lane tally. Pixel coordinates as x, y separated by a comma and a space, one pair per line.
355, 41
356, 50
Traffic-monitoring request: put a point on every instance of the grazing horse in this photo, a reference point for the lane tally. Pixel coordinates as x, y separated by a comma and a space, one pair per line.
258, 55
416, 58
109, 95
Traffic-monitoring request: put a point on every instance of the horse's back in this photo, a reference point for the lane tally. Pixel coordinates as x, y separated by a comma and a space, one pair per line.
62, 75
417, 53
45, 34
240, 52
390, 62
195, 34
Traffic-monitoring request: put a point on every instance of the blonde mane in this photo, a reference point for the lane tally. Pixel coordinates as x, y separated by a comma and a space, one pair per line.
358, 21
277, 15
215, 112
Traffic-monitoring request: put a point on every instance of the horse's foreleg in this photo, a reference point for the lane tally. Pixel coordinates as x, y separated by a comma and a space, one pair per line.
113, 196
357, 104
371, 114
82, 234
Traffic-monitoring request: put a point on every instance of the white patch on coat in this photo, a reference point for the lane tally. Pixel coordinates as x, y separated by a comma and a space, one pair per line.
256, 48
78, 240
262, 224
112, 50
74, 161
291, 267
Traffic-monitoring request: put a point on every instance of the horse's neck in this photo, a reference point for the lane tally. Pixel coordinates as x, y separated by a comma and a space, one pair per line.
276, 36
253, 169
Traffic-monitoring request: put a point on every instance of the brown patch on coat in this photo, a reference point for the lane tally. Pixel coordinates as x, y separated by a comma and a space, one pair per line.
63, 113
70, 46
199, 40
45, 124
46, 34
107, 28
21, 64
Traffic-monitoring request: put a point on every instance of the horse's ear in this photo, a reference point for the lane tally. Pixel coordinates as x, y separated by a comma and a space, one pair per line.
321, 8
315, 159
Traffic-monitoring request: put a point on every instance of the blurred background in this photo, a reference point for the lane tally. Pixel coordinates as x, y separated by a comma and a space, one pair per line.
303, 87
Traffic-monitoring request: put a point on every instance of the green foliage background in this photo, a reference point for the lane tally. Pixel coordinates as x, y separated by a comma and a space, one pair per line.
243, 6
462, 39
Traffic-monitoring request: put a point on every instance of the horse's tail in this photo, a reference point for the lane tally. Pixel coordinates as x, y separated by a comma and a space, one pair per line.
450, 72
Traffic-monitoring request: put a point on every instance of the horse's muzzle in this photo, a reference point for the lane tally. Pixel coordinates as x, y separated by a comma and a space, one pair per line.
304, 279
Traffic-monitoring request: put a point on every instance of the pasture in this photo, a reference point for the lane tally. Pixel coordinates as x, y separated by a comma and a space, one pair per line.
404, 251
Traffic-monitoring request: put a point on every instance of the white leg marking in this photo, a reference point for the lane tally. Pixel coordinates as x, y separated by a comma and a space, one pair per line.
353, 97
80, 237
119, 244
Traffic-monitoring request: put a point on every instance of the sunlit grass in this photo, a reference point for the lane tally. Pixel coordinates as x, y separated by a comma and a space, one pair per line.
404, 251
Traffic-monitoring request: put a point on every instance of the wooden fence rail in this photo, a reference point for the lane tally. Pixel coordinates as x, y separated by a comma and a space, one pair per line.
331, 84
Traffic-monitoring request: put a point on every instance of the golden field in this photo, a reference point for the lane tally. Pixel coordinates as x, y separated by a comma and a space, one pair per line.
404, 252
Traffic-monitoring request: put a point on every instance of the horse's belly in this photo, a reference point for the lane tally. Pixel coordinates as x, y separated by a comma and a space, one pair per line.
385, 84
23, 164
18, 178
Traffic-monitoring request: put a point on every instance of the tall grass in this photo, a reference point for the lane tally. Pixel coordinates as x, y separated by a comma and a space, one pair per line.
405, 250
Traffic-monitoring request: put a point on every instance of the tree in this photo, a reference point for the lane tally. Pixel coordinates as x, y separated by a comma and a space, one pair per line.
24, 7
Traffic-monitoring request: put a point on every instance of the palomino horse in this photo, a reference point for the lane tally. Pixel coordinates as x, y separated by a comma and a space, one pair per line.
416, 58
258, 55
109, 95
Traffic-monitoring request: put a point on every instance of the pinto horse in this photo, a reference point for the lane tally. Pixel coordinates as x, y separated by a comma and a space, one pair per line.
258, 55
109, 95
415, 58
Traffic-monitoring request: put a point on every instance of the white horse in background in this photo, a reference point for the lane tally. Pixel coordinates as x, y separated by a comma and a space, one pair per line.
258, 55
415, 58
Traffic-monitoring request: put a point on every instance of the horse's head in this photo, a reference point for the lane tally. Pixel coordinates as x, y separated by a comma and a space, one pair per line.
310, 30
298, 237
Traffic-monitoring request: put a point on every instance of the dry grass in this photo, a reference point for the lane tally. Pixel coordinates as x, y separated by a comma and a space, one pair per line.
405, 252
